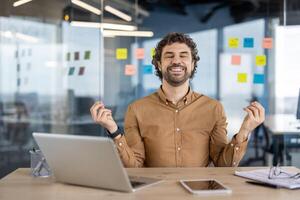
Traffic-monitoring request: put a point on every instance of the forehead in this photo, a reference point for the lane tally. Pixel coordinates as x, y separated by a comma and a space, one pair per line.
176, 47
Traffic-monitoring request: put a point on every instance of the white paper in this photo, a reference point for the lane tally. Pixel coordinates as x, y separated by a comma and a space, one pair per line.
262, 175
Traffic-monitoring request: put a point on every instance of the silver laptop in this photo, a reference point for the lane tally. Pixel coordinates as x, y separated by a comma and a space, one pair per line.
88, 161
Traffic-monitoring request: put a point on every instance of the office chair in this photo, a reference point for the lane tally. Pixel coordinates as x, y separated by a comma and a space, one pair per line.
260, 144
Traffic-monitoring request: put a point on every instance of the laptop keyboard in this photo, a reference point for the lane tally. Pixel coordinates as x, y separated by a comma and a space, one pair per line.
137, 183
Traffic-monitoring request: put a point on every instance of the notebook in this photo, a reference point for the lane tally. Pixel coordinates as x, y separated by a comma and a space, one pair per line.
262, 175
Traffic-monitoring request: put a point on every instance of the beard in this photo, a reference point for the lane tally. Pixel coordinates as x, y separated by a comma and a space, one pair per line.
178, 77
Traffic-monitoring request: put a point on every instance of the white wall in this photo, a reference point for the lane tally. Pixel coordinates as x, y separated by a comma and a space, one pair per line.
287, 69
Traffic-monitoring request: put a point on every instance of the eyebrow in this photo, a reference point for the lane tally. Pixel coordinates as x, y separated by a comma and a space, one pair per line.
184, 52
170, 52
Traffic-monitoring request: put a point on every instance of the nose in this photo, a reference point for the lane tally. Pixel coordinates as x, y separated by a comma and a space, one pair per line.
176, 60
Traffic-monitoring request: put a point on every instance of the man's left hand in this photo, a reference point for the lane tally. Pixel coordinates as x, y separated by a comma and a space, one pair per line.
255, 116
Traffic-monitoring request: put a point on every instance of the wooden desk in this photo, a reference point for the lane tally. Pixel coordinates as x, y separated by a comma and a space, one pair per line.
281, 127
20, 185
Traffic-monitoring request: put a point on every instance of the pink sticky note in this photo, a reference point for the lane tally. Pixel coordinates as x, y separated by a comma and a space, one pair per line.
268, 43
140, 53
235, 60
130, 70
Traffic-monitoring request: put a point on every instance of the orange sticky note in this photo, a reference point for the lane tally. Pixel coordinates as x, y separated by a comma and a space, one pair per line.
268, 43
140, 53
242, 78
233, 42
235, 60
130, 70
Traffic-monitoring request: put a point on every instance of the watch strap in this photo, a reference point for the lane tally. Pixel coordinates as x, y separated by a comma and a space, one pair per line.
113, 135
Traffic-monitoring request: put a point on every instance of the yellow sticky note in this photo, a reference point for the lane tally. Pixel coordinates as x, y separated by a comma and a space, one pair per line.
260, 60
233, 42
242, 78
121, 54
152, 52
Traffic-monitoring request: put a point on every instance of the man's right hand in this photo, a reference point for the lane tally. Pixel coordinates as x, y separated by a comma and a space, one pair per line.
103, 116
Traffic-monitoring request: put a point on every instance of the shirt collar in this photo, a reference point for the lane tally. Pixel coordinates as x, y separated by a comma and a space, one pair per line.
186, 99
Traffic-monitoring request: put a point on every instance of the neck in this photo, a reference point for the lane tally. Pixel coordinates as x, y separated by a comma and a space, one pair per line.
174, 94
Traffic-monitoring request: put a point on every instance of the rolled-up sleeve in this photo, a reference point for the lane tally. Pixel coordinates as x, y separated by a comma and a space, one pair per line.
130, 146
222, 153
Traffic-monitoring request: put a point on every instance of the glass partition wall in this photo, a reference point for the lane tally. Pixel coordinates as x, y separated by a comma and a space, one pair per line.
55, 57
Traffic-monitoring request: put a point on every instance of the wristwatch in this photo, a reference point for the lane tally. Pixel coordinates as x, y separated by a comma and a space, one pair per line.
119, 131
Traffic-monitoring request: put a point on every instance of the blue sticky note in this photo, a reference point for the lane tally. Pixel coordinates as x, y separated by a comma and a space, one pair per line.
248, 42
259, 79
147, 69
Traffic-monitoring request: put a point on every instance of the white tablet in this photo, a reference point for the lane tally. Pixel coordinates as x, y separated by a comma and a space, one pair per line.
205, 186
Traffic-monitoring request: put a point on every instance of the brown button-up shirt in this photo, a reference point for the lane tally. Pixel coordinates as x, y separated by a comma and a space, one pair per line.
191, 133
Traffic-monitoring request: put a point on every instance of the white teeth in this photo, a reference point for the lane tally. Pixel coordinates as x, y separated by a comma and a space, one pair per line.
177, 69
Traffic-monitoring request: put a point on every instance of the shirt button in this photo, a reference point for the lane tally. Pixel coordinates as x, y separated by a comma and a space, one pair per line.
231, 144
166, 103
176, 111
237, 148
177, 129
120, 144
178, 148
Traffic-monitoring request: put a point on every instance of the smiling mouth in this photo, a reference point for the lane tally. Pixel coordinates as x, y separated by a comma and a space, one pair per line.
176, 69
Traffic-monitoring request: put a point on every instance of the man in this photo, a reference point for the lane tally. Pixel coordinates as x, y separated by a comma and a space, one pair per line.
176, 127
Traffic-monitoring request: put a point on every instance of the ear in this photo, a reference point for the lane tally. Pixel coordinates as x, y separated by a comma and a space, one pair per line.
159, 65
193, 65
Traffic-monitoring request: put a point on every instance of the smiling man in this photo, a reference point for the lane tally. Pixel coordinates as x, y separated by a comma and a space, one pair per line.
176, 127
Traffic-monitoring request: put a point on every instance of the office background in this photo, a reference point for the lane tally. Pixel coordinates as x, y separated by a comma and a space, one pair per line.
57, 57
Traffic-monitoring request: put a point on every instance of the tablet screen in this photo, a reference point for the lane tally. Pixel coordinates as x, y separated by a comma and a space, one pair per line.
204, 185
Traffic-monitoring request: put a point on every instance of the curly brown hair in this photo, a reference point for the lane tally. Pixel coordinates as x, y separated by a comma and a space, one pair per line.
170, 39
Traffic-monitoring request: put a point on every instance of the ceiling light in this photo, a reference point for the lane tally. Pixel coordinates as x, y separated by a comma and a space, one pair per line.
86, 6
109, 33
21, 36
7, 34
109, 36
27, 38
118, 13
86, 24
104, 25
18, 3
118, 26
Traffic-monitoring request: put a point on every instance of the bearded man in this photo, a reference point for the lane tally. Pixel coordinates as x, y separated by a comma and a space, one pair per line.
175, 126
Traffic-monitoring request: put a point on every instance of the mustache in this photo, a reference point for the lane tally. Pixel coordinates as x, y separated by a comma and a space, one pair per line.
175, 65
